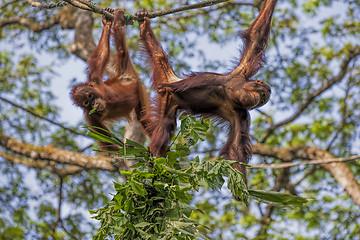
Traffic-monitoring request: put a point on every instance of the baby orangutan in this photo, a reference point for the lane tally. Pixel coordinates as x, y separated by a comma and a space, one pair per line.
106, 101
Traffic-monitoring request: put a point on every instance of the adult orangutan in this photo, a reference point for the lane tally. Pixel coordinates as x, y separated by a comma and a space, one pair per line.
228, 96
106, 101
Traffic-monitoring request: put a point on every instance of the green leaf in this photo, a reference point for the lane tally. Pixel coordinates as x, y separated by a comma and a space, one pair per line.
102, 137
231, 162
182, 149
126, 173
129, 205
186, 122
199, 131
237, 186
129, 150
216, 168
142, 224
186, 208
173, 213
160, 161
192, 129
138, 188
92, 111
93, 211
135, 144
277, 198
144, 235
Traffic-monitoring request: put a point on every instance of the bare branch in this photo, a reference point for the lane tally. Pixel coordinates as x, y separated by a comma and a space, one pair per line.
7, 4
344, 115
49, 166
205, 11
60, 198
51, 153
47, 5
31, 24
268, 117
308, 162
307, 174
64, 17
42, 117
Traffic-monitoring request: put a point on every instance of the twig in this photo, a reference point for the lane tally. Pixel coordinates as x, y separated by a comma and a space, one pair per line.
67, 231
344, 114
308, 162
207, 11
42, 117
354, 52
7, 4
310, 172
60, 198
90, 6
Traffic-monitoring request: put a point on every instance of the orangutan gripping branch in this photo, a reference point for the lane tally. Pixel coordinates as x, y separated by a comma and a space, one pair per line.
105, 101
229, 96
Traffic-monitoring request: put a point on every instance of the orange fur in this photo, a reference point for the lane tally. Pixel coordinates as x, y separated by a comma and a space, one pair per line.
121, 93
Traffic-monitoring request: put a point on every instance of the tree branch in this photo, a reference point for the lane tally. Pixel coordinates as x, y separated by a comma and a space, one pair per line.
90, 6
26, 22
83, 44
7, 4
308, 162
49, 166
64, 156
309, 99
339, 170
47, 5
307, 174
42, 117
206, 11
58, 220
64, 17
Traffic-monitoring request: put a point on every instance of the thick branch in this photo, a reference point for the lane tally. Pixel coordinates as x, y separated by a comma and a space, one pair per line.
31, 24
63, 156
83, 44
64, 17
49, 166
339, 170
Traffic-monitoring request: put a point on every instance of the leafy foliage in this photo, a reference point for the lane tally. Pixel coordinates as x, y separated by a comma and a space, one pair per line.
154, 201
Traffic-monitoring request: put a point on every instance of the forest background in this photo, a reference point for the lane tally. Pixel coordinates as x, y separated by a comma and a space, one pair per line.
50, 175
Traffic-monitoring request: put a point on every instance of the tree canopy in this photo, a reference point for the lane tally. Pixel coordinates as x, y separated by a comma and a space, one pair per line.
305, 139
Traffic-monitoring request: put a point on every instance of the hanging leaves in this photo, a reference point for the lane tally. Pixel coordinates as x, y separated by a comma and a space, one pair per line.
155, 199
